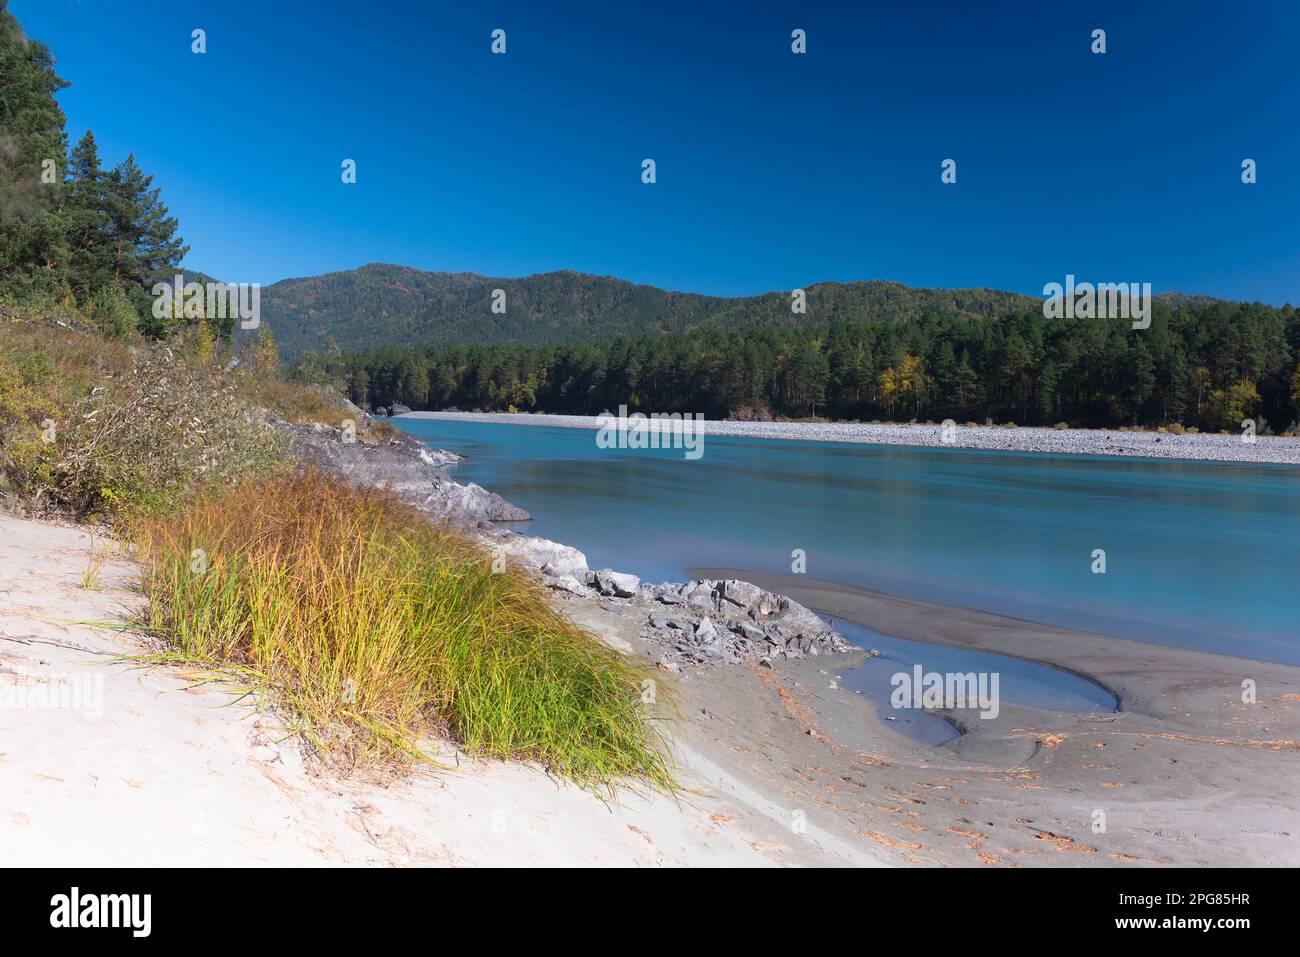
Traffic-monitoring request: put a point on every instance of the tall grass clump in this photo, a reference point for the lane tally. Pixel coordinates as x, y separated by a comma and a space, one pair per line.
373, 628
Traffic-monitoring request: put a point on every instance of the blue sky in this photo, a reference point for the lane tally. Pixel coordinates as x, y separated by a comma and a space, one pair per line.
774, 170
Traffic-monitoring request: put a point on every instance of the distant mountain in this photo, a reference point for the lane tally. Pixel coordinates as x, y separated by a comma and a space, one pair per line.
382, 304
371, 305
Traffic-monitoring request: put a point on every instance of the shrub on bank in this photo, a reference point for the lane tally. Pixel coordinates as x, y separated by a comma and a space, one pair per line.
373, 627
97, 425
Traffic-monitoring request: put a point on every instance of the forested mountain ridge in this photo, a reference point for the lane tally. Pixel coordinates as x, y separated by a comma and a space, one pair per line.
400, 306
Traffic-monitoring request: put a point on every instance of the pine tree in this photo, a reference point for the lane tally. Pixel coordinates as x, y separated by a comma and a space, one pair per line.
142, 231
33, 148
90, 251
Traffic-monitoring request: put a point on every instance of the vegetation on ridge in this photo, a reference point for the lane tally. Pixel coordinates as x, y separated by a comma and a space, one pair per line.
1207, 364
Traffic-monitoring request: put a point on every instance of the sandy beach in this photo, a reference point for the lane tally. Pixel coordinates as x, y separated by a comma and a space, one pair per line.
783, 768
103, 763
1190, 446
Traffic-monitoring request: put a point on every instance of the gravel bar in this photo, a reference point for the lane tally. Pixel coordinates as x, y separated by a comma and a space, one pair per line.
1197, 447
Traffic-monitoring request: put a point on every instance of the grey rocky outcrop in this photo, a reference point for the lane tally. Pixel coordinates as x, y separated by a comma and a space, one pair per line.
404, 466
698, 622
739, 622
553, 560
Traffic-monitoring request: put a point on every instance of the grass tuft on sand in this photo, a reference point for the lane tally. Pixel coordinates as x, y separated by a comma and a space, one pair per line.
373, 628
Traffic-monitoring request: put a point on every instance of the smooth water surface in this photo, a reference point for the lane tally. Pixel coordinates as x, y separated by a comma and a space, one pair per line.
1200, 555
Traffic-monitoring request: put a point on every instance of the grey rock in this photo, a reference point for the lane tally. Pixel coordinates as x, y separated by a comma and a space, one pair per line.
740, 593
551, 558
700, 594
668, 594
567, 583
747, 630
795, 616
618, 584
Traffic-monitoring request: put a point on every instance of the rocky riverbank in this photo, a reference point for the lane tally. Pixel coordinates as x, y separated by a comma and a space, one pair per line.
1185, 773
698, 622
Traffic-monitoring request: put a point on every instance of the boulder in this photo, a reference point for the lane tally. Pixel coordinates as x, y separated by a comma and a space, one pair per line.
795, 617
617, 584
700, 594
705, 633
741, 594
551, 558
746, 630
668, 594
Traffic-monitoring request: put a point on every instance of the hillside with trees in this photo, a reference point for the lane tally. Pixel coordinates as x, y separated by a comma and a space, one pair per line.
1202, 363
400, 306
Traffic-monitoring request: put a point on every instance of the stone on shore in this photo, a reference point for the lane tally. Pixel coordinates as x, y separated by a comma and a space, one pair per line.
618, 584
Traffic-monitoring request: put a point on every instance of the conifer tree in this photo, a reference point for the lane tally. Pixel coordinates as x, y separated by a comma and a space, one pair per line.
33, 148
90, 252
142, 232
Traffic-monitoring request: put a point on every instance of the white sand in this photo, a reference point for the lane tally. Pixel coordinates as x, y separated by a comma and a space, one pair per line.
148, 770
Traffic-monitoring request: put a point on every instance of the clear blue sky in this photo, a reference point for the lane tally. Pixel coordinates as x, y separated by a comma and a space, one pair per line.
774, 170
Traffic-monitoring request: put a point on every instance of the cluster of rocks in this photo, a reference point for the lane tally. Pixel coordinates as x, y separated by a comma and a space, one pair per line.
405, 466
699, 622
705, 620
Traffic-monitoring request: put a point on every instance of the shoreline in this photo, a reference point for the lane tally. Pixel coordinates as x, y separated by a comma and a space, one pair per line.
1105, 660
199, 774
783, 765
1197, 447
1185, 772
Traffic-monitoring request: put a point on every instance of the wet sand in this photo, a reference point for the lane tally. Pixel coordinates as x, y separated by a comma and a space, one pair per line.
1185, 773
